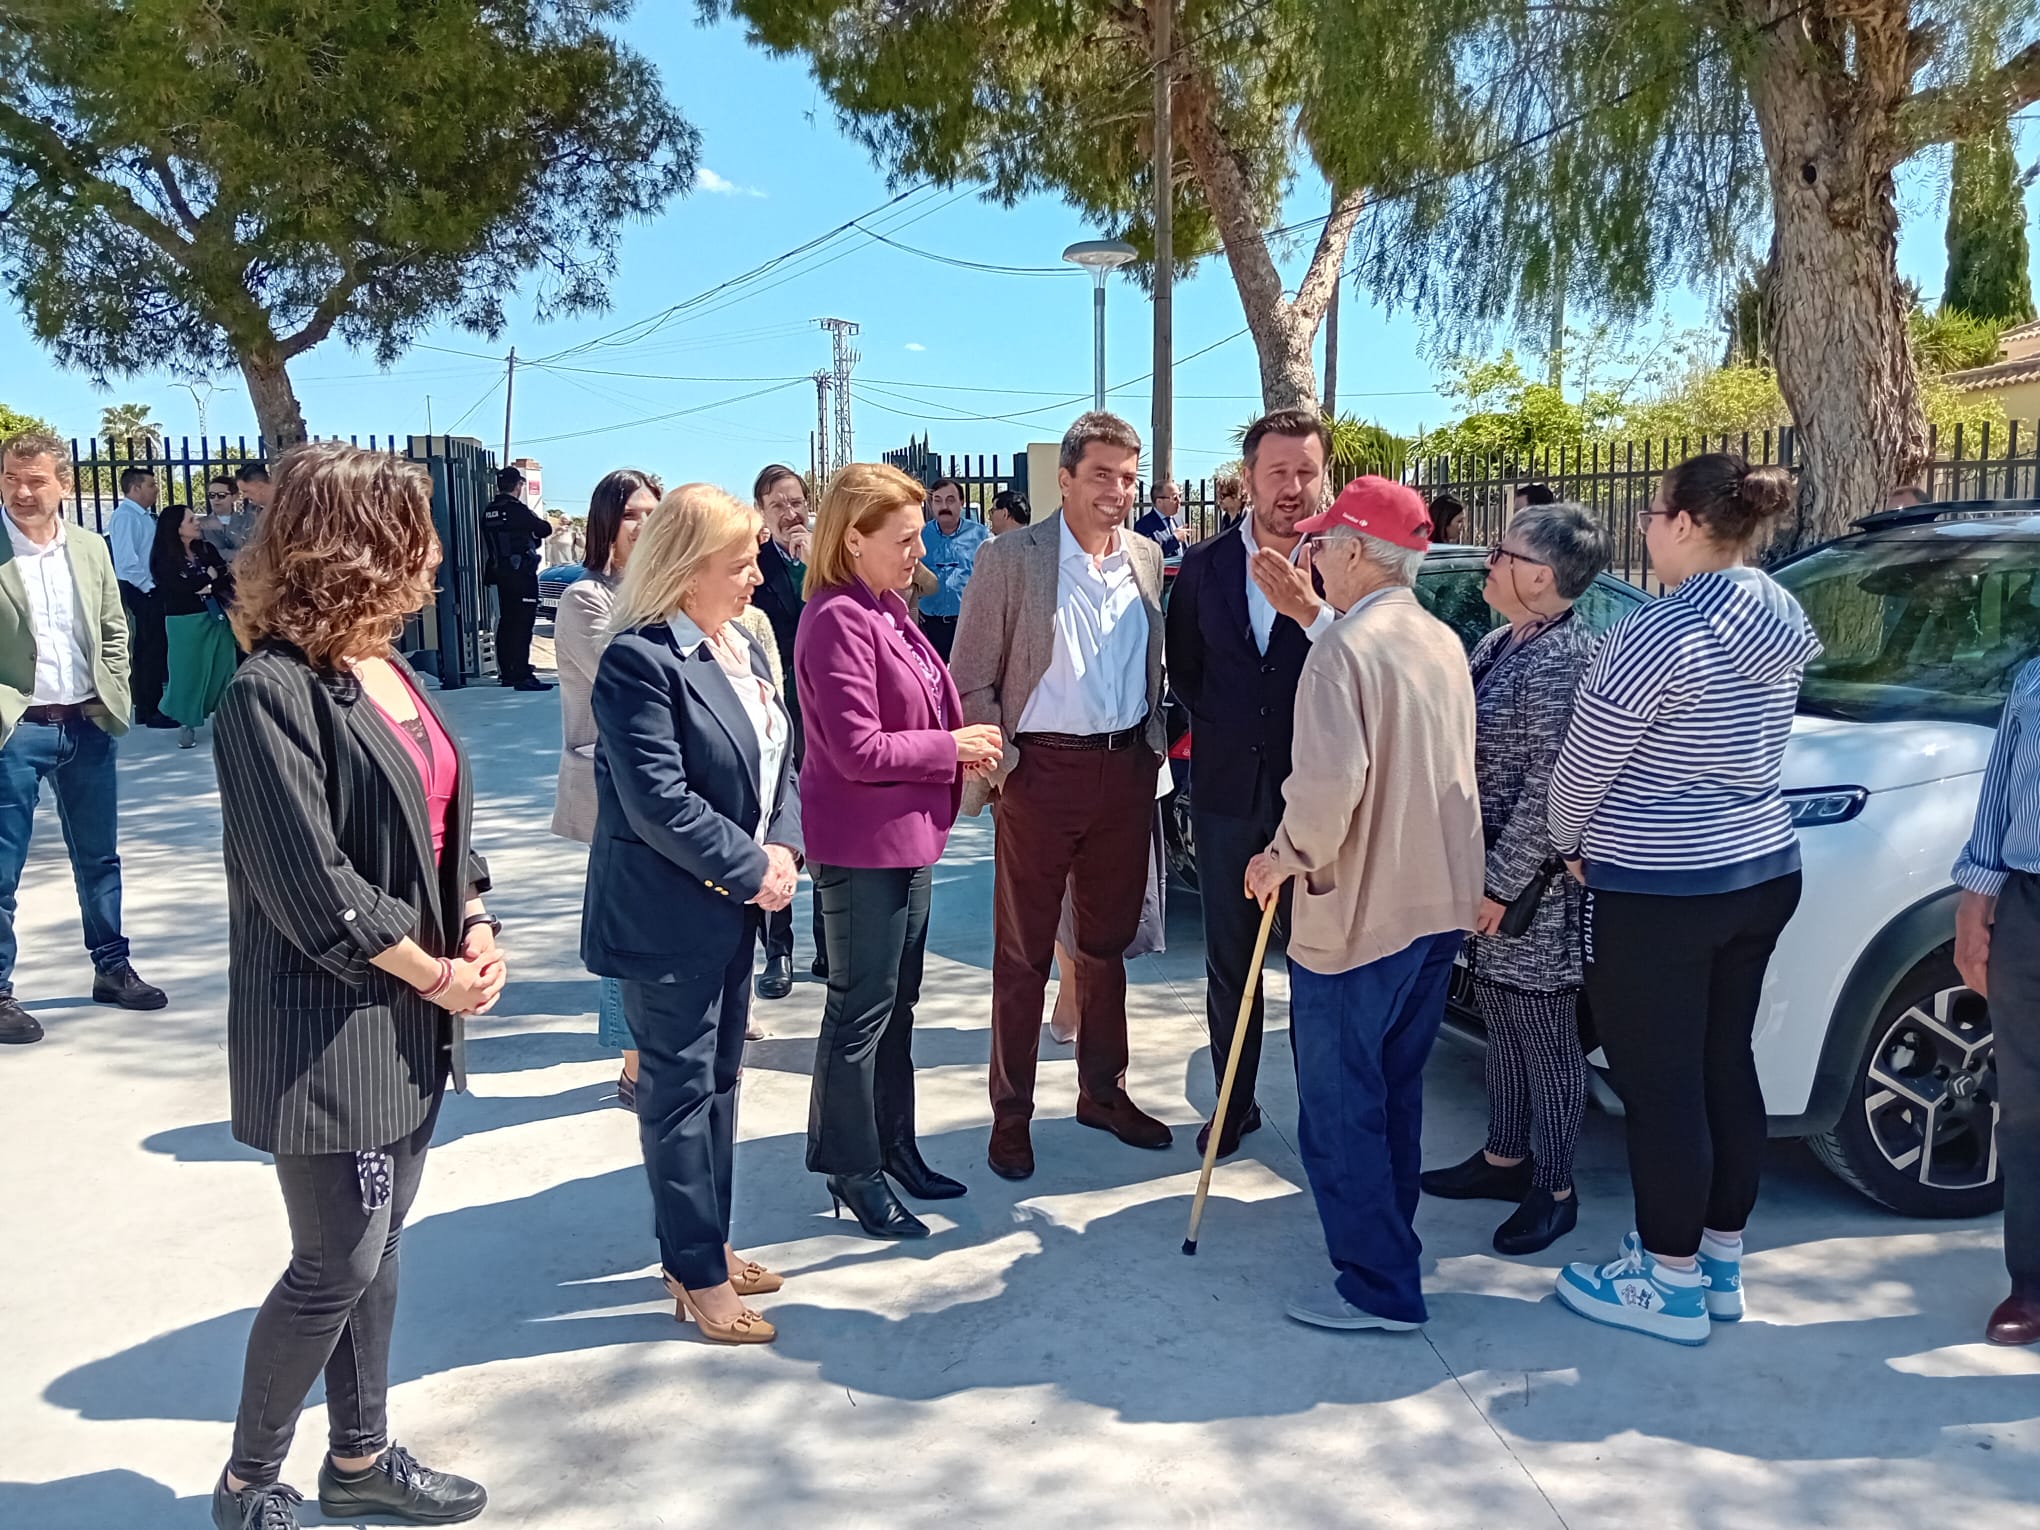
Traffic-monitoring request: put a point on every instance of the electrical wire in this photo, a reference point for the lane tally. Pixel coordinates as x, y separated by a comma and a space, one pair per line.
657, 419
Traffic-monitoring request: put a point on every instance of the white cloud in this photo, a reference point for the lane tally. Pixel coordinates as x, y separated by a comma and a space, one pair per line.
915, 345
706, 179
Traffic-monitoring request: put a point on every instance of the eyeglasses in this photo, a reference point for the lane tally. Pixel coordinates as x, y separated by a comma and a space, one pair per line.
217, 494
1498, 552
1644, 518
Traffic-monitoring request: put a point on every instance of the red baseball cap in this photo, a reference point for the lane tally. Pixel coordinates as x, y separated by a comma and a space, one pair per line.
1392, 511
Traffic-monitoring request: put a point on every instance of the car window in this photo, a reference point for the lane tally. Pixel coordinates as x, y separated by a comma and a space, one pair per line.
1606, 602
1453, 595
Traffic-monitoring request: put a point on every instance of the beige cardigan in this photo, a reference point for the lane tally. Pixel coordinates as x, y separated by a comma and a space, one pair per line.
1382, 814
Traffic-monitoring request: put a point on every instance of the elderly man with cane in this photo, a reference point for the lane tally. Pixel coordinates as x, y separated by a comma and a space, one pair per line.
1381, 829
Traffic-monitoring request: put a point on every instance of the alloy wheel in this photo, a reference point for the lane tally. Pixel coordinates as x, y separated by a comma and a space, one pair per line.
1930, 1096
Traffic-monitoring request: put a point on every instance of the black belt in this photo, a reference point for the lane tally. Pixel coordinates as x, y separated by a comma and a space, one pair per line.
55, 715
1125, 738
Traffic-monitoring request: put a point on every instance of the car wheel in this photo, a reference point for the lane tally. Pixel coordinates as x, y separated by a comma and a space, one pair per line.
1919, 1131
1179, 842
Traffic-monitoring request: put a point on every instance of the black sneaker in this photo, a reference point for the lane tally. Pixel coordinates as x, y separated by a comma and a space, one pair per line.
1538, 1223
121, 984
271, 1507
1478, 1180
399, 1488
17, 1026
158, 720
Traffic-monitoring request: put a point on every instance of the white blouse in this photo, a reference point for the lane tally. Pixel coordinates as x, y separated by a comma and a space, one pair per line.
731, 649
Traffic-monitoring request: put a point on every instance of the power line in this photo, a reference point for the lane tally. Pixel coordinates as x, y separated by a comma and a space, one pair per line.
471, 408
656, 419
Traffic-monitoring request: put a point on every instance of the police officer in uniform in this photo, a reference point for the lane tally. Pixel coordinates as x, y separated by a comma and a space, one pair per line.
511, 534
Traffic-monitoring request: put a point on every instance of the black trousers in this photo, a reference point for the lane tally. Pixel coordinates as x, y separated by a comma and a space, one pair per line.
148, 649
690, 1037
941, 631
1231, 921
1675, 983
2015, 1018
862, 1099
516, 612
333, 1309
779, 927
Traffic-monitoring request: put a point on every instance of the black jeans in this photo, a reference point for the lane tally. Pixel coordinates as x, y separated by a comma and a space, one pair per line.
862, 1100
1231, 922
2015, 1017
1675, 984
149, 647
331, 1311
690, 1037
516, 613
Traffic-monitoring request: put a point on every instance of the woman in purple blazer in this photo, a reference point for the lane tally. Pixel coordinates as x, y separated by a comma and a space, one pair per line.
882, 779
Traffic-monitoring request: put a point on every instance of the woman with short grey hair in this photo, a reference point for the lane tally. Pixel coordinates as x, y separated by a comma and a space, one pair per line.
1525, 953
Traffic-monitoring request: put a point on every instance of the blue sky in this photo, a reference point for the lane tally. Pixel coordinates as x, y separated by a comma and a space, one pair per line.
945, 351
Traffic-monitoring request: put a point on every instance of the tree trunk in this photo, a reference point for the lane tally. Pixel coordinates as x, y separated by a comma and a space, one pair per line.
1837, 313
277, 414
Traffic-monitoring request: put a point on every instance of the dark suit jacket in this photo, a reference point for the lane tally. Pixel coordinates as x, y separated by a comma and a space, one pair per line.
1156, 528
329, 862
676, 858
1242, 702
778, 596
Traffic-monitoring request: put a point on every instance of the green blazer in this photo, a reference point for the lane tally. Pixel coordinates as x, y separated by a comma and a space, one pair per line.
101, 621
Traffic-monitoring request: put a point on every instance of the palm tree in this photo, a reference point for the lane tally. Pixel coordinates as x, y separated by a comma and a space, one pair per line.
130, 423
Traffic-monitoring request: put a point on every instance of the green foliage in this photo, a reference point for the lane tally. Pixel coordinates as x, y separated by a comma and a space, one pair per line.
1358, 447
130, 423
1710, 401
1506, 414
1949, 340
192, 183
1948, 407
13, 422
1987, 251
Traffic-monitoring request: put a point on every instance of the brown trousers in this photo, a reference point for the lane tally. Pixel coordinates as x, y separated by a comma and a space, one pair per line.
1077, 819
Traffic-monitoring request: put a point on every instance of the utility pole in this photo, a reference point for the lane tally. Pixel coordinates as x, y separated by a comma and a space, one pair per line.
821, 451
509, 391
1165, 244
1331, 405
840, 330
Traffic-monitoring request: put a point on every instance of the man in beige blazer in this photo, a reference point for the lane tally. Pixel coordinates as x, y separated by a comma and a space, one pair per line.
63, 701
1060, 644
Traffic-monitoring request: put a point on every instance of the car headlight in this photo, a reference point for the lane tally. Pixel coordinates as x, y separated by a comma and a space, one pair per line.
1827, 805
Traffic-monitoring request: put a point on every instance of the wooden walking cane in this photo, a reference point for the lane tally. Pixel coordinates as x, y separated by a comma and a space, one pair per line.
1232, 1068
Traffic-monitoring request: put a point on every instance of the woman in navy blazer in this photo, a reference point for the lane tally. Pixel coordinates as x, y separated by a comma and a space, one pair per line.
697, 836
886, 756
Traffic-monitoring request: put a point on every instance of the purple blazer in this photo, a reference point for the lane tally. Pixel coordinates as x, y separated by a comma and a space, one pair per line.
879, 785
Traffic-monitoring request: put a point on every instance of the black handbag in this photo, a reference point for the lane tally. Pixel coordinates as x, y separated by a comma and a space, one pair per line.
1523, 907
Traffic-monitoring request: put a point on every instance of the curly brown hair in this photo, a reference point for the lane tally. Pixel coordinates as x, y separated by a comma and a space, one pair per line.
344, 553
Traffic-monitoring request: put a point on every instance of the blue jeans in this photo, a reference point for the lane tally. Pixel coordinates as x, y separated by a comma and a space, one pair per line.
77, 759
1360, 1039
611, 1029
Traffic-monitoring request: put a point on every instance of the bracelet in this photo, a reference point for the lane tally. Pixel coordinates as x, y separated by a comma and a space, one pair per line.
445, 981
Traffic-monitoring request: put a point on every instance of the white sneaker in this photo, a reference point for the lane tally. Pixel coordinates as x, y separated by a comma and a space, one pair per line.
1721, 1281
1328, 1309
1635, 1291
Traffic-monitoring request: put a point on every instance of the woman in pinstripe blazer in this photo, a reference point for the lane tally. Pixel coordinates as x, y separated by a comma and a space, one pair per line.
356, 940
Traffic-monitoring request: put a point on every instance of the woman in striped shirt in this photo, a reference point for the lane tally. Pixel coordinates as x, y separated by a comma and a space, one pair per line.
1665, 803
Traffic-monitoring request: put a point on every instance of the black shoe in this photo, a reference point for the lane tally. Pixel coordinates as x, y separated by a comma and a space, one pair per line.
876, 1208
528, 683
119, 984
903, 1161
820, 967
776, 981
273, 1507
158, 720
17, 1026
1478, 1180
399, 1488
1229, 1143
1538, 1223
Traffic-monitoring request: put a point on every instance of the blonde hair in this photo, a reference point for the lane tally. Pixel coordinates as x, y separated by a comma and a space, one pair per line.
692, 524
864, 495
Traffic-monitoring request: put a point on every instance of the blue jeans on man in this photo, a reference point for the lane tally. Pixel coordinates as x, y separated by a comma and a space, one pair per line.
1361, 1039
77, 758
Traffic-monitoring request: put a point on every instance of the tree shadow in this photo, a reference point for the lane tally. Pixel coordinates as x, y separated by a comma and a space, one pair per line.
97, 1501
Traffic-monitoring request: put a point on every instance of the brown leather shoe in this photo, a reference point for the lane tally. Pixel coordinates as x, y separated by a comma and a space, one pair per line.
1125, 1120
2016, 1321
1229, 1144
1011, 1153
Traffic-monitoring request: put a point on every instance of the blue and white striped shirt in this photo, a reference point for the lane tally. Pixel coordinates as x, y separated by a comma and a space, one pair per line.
2006, 837
1668, 779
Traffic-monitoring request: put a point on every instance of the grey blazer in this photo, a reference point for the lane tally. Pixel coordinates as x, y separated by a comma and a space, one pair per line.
329, 862
1005, 638
579, 632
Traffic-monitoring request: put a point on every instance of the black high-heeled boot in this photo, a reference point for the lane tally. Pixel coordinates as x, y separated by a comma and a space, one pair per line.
903, 1161
876, 1208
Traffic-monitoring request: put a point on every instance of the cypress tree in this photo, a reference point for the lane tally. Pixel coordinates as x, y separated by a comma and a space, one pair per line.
1988, 275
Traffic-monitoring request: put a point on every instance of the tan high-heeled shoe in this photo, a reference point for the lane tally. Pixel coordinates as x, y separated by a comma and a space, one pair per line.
753, 1279
747, 1327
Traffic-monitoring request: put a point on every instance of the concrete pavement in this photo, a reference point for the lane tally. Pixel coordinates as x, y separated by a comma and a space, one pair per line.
1047, 1358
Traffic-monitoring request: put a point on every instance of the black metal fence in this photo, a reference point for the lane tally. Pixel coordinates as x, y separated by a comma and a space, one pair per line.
984, 476
453, 638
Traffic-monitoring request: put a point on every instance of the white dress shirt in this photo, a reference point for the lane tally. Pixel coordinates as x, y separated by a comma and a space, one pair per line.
131, 531
63, 670
769, 721
1260, 610
1096, 682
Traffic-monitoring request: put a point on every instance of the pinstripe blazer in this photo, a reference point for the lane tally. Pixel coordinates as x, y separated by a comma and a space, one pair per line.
329, 862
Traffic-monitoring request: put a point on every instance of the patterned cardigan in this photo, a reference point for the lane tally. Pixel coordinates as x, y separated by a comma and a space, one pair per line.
1523, 703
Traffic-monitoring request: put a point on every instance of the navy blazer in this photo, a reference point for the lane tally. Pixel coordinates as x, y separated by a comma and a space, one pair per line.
1242, 702
779, 596
676, 857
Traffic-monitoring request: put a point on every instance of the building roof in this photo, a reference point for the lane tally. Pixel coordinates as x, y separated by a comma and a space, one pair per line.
2003, 374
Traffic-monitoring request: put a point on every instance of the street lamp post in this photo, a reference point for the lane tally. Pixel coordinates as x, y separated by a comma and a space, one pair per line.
1101, 257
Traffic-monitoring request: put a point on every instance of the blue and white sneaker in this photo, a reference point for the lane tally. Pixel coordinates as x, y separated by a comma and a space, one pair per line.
1721, 1281
1635, 1291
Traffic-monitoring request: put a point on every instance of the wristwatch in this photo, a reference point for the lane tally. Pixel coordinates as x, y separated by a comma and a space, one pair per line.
495, 925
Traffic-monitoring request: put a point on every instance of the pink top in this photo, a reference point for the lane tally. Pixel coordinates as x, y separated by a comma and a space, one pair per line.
431, 751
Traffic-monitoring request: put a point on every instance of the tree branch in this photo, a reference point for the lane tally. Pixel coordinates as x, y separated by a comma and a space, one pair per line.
1321, 278
174, 193
1232, 201
35, 146
323, 317
1947, 112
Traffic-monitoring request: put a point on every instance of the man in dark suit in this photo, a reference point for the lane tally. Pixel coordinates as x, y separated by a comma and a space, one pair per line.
1241, 621
1162, 522
782, 567
512, 532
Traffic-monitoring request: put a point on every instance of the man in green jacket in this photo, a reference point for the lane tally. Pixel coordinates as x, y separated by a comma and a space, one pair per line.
63, 701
